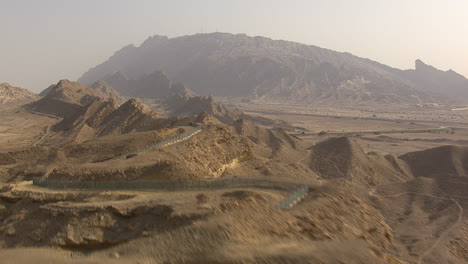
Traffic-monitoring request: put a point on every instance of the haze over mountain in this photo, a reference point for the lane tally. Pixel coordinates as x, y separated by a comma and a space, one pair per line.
153, 85
431, 79
173, 99
230, 65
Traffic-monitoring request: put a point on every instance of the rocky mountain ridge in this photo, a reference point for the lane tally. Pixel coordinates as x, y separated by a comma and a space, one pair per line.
266, 70
15, 95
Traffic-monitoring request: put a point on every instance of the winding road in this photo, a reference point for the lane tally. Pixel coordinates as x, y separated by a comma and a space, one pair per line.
49, 128
164, 143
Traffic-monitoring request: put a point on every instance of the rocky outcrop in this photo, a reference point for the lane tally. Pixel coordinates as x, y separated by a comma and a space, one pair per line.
14, 95
90, 112
447, 83
184, 105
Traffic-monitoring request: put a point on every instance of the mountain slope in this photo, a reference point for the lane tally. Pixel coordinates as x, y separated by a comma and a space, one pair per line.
174, 99
154, 85
105, 90
344, 158
241, 66
187, 106
15, 95
441, 161
433, 80
93, 112
64, 99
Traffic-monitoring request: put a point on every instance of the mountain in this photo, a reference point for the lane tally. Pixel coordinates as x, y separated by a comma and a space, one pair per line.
93, 112
178, 105
15, 95
263, 69
105, 117
65, 98
103, 89
153, 85
173, 98
430, 79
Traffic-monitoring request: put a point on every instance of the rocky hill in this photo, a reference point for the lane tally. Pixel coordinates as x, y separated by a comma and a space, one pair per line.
430, 79
93, 112
260, 68
65, 98
344, 158
174, 99
441, 161
103, 89
15, 95
178, 105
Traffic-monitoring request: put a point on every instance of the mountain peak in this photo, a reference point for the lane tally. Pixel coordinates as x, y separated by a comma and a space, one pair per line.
421, 66
445, 83
419, 63
64, 83
154, 40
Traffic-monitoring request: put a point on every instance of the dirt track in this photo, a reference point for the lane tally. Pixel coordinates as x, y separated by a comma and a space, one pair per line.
48, 129
447, 231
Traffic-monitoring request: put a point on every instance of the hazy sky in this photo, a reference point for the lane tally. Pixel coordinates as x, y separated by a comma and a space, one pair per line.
43, 41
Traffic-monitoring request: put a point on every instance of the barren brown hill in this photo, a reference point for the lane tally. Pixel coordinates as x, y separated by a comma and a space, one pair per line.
174, 99
179, 105
101, 89
105, 90
447, 160
416, 220
184, 102
89, 112
271, 143
14, 95
105, 117
65, 98
224, 226
344, 158
86, 145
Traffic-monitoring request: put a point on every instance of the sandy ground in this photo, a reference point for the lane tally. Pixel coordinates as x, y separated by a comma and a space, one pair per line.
48, 255
306, 119
316, 124
20, 128
395, 112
